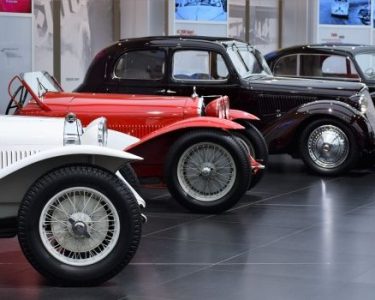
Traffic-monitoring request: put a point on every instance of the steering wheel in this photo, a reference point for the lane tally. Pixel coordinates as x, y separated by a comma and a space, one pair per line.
13, 103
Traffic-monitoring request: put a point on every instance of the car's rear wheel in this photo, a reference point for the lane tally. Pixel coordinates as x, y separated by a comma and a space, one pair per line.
328, 147
207, 171
79, 225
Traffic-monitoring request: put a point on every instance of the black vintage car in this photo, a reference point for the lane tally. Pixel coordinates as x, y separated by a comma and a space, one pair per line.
327, 123
349, 62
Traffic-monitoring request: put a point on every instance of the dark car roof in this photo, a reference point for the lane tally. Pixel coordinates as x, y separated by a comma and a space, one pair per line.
182, 38
175, 40
329, 47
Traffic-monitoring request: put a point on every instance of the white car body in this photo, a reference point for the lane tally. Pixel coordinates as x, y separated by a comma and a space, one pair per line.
63, 193
32, 146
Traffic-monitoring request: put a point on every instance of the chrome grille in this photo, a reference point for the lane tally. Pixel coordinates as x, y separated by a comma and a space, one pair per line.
9, 157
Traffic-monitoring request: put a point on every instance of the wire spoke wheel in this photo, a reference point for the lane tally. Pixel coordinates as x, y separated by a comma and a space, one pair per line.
79, 226
206, 171
328, 146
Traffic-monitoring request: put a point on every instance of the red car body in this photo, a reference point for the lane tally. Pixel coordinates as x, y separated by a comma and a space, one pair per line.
159, 121
153, 119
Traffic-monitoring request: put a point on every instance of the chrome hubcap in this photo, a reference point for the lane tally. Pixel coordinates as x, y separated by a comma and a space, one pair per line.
206, 171
328, 146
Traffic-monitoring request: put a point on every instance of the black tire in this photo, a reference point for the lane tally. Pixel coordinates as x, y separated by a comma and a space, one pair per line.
131, 177
230, 194
347, 155
257, 146
82, 178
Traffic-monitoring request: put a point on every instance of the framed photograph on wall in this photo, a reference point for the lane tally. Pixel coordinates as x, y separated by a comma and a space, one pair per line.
199, 17
201, 10
345, 12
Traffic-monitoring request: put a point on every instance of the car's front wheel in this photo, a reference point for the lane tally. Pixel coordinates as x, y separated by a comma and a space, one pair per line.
79, 225
328, 147
207, 171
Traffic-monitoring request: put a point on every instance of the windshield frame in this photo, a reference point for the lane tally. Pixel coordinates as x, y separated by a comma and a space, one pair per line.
38, 83
236, 53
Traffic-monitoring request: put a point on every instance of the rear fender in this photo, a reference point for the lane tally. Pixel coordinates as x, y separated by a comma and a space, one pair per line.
283, 134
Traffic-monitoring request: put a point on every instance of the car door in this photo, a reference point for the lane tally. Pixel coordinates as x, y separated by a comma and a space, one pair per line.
205, 70
141, 71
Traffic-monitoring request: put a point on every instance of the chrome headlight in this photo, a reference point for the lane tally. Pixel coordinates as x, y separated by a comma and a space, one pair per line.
72, 130
363, 101
218, 108
96, 133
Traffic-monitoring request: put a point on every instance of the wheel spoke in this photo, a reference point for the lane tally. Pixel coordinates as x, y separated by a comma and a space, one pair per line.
206, 171
88, 210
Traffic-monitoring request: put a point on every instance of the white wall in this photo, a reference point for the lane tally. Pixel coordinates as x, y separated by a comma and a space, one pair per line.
142, 18
295, 21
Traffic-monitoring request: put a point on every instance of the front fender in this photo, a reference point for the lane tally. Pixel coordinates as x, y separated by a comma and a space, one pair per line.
17, 178
235, 114
283, 134
197, 122
107, 158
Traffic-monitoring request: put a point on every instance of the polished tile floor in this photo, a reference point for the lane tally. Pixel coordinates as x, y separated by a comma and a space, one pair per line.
295, 236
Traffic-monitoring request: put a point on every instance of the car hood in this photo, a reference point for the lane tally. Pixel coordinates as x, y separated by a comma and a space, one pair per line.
304, 86
94, 101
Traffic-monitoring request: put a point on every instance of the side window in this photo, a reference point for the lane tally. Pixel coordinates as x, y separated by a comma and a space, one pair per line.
199, 65
141, 65
338, 66
286, 66
310, 65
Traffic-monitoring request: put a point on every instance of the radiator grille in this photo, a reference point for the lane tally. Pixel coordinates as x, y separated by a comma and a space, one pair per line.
9, 157
136, 130
283, 103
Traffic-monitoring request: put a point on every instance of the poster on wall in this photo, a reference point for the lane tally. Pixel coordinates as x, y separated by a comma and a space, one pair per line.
15, 6
345, 21
201, 10
345, 12
200, 17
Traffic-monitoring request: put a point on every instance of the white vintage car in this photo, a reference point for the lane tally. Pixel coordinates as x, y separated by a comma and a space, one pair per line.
77, 219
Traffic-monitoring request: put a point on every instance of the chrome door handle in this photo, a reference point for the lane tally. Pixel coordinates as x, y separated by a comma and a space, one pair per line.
170, 91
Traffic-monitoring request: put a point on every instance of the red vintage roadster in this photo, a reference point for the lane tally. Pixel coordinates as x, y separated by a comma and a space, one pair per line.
201, 149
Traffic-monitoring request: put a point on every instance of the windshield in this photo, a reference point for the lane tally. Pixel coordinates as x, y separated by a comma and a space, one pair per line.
248, 61
40, 83
366, 62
